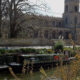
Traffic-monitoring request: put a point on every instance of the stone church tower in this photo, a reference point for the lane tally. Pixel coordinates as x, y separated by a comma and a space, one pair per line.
71, 14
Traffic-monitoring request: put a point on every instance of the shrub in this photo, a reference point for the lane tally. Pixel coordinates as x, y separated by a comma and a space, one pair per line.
59, 46
27, 50
42, 51
50, 51
2, 51
11, 51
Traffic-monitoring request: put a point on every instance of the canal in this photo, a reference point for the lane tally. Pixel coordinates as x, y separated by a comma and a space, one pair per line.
35, 75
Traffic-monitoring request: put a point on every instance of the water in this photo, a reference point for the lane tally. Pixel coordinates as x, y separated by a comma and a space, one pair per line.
34, 47
36, 75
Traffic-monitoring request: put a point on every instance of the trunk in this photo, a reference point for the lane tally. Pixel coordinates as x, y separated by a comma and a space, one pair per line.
11, 20
10, 17
13, 33
0, 17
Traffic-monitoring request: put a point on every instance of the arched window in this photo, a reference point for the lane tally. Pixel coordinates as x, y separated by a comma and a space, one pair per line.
60, 33
53, 35
66, 20
75, 20
35, 34
66, 8
53, 23
60, 24
46, 34
76, 8
66, 35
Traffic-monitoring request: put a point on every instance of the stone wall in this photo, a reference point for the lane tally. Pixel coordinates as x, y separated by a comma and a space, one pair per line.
45, 33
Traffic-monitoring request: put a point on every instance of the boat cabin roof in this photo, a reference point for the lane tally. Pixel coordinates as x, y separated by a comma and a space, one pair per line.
34, 55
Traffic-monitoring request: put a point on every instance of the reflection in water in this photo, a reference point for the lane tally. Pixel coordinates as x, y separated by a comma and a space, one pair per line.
36, 75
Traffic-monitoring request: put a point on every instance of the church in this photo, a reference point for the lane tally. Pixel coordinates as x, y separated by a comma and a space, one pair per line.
44, 31
55, 28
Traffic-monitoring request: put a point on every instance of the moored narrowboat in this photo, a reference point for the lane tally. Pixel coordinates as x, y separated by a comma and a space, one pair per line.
9, 60
44, 60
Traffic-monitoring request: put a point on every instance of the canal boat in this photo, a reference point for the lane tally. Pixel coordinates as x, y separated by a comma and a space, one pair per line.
9, 60
3, 65
44, 60
40, 58
32, 61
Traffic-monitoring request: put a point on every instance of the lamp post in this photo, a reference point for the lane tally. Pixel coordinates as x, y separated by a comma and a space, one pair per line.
0, 16
75, 32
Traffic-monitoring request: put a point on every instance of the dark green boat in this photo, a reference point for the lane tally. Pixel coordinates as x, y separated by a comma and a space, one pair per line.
8, 60
44, 60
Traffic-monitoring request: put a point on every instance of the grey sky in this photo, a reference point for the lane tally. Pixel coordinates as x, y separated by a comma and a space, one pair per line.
56, 7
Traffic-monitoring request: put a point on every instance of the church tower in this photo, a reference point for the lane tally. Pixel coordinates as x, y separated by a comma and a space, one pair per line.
72, 13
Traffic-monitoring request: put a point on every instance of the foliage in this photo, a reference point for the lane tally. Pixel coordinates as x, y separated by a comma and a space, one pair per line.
59, 46
27, 50
23, 50
13, 12
71, 50
11, 51
2, 51
50, 51
42, 51
67, 49
67, 72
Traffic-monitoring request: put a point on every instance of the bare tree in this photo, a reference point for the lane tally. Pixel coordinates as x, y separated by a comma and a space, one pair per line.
14, 11
13, 15
0, 16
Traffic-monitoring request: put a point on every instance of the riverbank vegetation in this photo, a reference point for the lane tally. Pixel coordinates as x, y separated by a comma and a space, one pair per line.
61, 72
69, 71
65, 72
57, 49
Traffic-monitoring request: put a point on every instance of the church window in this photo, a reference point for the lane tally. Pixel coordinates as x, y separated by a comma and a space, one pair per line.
76, 8
46, 23
53, 35
35, 34
53, 23
46, 34
59, 24
60, 33
66, 35
75, 20
66, 8
66, 21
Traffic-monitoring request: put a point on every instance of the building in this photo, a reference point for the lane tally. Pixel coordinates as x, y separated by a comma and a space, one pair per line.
71, 14
50, 29
44, 31
65, 25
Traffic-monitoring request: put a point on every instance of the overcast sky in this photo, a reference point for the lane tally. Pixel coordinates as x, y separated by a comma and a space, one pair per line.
56, 7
